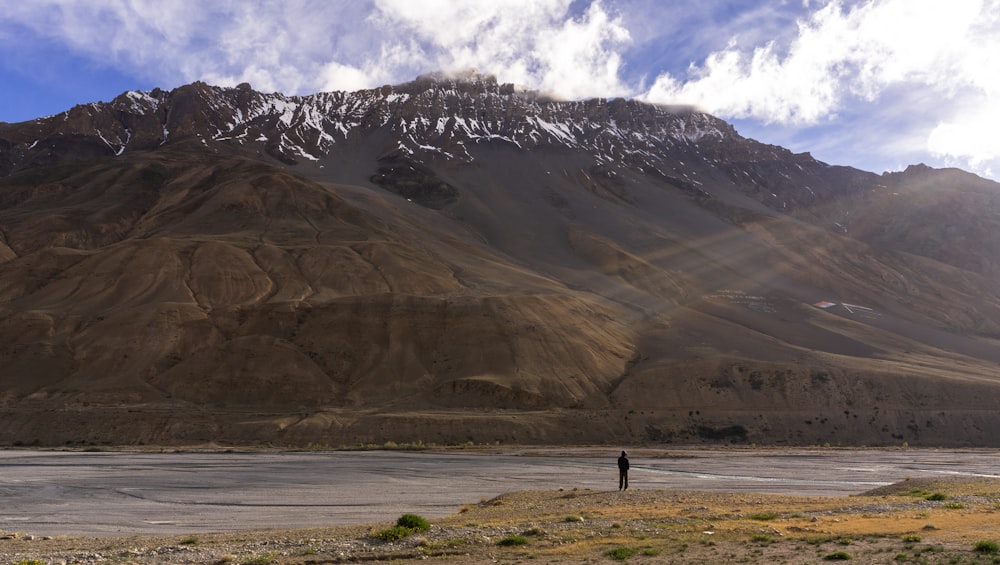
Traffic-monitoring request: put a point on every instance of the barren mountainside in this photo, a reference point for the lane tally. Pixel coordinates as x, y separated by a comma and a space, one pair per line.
454, 259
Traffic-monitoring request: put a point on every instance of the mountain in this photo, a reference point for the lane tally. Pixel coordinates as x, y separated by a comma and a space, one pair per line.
453, 260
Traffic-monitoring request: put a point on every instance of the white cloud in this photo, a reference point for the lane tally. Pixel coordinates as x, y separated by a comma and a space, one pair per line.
335, 76
969, 139
846, 55
274, 45
837, 54
529, 42
300, 46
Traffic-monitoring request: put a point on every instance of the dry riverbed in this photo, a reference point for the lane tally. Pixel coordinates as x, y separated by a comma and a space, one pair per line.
913, 521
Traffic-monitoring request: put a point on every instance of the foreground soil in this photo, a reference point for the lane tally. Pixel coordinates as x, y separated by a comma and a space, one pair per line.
914, 521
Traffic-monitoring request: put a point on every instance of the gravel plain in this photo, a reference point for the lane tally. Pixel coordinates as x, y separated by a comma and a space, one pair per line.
559, 501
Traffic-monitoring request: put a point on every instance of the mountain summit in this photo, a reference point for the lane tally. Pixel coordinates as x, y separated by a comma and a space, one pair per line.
453, 259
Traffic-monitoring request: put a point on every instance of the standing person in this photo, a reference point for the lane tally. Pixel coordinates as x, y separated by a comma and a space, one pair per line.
623, 471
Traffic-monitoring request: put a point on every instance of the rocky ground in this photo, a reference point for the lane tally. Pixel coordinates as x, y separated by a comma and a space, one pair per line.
914, 521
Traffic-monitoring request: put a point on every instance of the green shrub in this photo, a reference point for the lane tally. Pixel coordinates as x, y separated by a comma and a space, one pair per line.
911, 538
838, 556
954, 506
937, 496
30, 562
763, 516
413, 522
986, 546
621, 553
394, 533
513, 540
405, 526
651, 552
760, 538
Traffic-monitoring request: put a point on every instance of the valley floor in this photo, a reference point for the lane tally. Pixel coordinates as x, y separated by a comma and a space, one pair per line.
913, 521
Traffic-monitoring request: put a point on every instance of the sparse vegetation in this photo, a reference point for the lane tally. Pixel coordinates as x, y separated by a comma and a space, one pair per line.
262, 559
763, 516
837, 556
937, 496
911, 538
413, 522
394, 533
987, 546
621, 553
406, 525
513, 540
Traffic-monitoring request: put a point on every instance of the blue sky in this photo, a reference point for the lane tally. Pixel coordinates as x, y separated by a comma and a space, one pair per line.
874, 84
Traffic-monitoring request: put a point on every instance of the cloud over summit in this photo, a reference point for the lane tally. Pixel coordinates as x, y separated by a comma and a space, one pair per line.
803, 73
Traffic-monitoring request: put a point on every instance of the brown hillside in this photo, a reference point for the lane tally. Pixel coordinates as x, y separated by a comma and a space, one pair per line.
501, 268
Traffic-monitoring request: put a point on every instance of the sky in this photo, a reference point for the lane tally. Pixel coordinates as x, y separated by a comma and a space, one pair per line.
873, 84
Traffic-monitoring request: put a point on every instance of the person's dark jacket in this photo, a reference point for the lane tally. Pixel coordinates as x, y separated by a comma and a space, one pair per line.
623, 462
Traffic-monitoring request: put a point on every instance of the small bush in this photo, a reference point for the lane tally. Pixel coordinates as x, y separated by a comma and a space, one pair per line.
30, 562
937, 496
651, 552
413, 522
406, 525
954, 506
394, 533
621, 553
911, 538
986, 546
838, 556
513, 540
193, 540
763, 516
